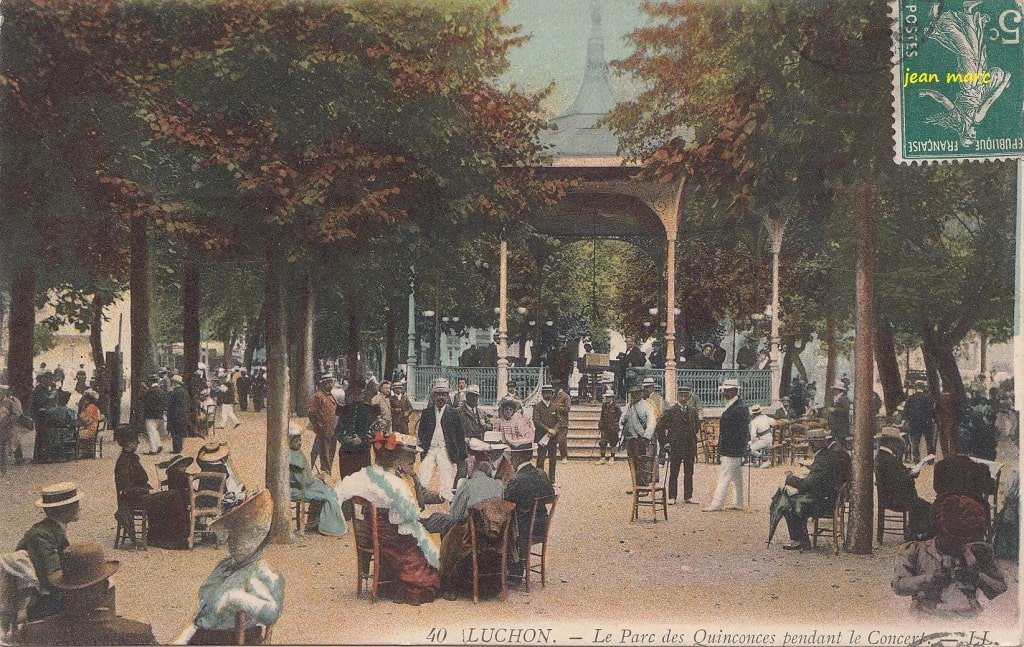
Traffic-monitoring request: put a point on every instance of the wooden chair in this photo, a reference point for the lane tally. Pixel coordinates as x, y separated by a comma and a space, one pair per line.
367, 543
647, 487
67, 443
93, 447
240, 630
299, 507
548, 503
885, 514
140, 523
207, 497
709, 440
835, 523
493, 547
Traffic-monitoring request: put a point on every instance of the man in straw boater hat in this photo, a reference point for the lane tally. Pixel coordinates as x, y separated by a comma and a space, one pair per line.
474, 421
816, 492
944, 573
896, 488
527, 483
409, 558
324, 511
84, 581
677, 432
45, 543
243, 595
323, 418
444, 444
733, 435
655, 402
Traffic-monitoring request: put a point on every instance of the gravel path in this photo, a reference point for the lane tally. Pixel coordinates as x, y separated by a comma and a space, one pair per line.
699, 572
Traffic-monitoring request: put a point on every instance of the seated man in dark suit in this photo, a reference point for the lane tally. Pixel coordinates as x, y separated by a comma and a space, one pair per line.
527, 483
817, 491
896, 488
84, 581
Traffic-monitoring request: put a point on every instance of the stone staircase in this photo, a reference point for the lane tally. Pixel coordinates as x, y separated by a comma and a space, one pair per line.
583, 433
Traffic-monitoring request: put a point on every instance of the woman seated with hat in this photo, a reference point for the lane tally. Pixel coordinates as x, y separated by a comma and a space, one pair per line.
242, 583
215, 456
325, 509
409, 558
88, 423
132, 485
168, 510
515, 428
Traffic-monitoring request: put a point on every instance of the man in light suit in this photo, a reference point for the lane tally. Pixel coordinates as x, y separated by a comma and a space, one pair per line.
443, 441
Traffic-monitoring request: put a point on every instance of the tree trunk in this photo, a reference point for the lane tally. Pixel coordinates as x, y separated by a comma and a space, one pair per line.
253, 336
352, 348
832, 357
277, 395
949, 372
304, 377
799, 364
786, 375
931, 369
888, 367
225, 341
861, 504
190, 333
21, 326
96, 333
141, 362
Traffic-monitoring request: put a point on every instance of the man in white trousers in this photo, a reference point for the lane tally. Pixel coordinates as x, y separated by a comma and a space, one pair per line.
733, 436
440, 435
154, 402
227, 405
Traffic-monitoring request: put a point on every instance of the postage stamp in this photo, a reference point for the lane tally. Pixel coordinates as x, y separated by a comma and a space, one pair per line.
958, 80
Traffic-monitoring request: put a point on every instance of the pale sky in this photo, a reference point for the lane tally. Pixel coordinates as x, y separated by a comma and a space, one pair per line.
557, 50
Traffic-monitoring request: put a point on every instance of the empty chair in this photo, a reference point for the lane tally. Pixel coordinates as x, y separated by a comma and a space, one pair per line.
647, 487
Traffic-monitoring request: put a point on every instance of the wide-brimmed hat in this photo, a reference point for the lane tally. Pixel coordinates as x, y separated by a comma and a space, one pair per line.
609, 394
178, 462
493, 436
523, 448
400, 384
441, 386
83, 565
838, 386
547, 387
249, 524
685, 387
473, 389
756, 409
891, 432
648, 381
325, 377
731, 383
58, 494
706, 345
213, 451
91, 394
477, 445
293, 430
635, 388
177, 379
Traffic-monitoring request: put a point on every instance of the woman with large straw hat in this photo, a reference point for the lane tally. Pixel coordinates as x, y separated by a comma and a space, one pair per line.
409, 559
242, 583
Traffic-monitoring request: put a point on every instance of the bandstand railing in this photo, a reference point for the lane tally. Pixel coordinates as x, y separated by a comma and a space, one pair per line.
756, 385
528, 380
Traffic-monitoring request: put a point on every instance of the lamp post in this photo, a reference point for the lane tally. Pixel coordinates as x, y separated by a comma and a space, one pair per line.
503, 316
410, 358
776, 230
431, 314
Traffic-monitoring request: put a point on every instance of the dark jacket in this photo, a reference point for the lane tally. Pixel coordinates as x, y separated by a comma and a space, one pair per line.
919, 411
608, 425
632, 358
176, 410
562, 363
896, 487
746, 358
472, 426
131, 481
959, 474
101, 627
354, 419
822, 481
529, 483
734, 430
844, 460
454, 439
678, 427
839, 418
545, 417
45, 542
153, 403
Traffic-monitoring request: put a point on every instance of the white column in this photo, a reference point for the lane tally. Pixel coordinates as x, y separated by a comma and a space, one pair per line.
503, 319
1018, 324
776, 229
670, 322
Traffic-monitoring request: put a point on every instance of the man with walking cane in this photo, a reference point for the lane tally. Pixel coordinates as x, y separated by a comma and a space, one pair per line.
677, 433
